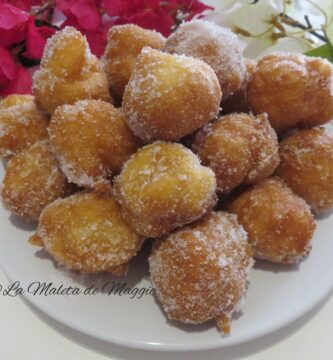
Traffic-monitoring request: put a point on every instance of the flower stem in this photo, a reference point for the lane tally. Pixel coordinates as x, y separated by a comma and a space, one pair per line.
292, 22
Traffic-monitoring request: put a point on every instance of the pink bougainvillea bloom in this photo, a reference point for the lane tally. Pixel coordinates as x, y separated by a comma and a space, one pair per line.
36, 39
119, 7
82, 14
14, 79
13, 22
22, 84
8, 68
23, 4
156, 20
97, 41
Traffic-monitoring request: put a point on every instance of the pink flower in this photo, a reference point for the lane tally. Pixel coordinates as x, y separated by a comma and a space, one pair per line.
119, 7
188, 7
153, 19
36, 39
13, 23
82, 14
14, 79
23, 4
154, 14
97, 41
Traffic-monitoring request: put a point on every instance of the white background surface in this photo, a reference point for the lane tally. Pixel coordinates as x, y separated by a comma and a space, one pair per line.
26, 333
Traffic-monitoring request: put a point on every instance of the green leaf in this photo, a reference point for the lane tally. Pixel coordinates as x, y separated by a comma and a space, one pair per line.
324, 51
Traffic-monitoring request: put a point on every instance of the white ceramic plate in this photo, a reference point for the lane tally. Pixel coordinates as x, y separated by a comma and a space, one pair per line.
277, 295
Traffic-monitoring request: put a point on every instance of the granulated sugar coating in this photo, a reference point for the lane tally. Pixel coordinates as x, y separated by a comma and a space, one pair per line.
125, 43
237, 102
21, 124
69, 72
91, 141
200, 272
216, 46
307, 166
86, 232
240, 148
162, 187
293, 89
32, 181
170, 96
278, 222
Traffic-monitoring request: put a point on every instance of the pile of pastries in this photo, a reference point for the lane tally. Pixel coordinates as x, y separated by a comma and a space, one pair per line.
218, 158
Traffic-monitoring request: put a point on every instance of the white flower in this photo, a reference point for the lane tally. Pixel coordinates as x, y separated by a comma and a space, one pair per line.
262, 30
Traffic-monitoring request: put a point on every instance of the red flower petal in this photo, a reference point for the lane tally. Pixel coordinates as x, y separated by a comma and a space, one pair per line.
12, 24
118, 7
23, 4
97, 41
8, 68
36, 39
156, 20
82, 14
87, 14
20, 85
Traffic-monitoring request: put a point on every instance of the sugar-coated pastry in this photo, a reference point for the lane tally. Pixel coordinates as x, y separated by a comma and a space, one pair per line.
32, 181
240, 148
125, 43
21, 124
293, 89
237, 102
217, 46
307, 166
162, 187
200, 272
170, 96
69, 72
278, 222
91, 141
86, 232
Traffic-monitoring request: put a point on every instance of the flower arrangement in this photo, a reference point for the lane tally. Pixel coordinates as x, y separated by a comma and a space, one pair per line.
25, 25
304, 26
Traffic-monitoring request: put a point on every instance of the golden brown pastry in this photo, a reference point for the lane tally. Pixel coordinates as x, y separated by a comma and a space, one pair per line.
170, 96
69, 72
162, 187
86, 232
240, 148
200, 272
21, 124
217, 46
293, 89
279, 223
125, 43
237, 101
91, 141
32, 181
307, 166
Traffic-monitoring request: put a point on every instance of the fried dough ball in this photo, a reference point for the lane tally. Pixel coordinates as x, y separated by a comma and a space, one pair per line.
237, 102
307, 166
200, 272
163, 186
91, 140
217, 46
293, 89
32, 181
170, 96
125, 43
240, 148
69, 72
86, 232
21, 124
279, 223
